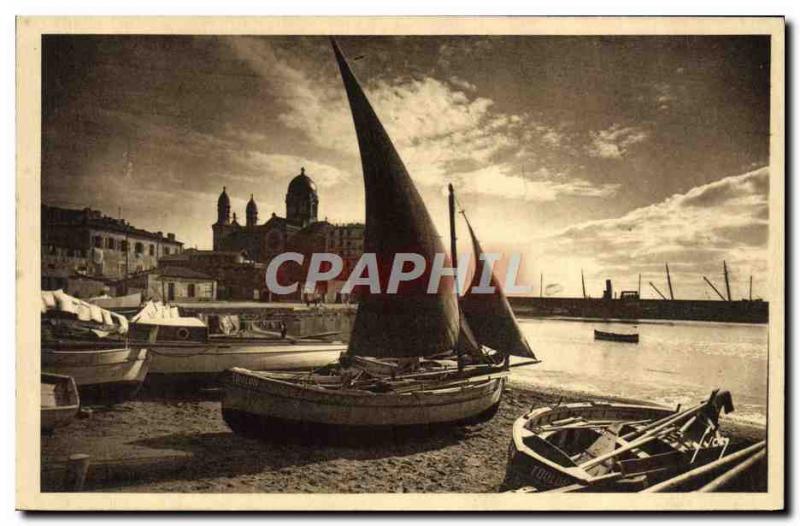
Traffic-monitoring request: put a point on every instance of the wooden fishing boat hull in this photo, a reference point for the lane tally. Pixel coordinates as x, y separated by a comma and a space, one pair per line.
616, 337
257, 404
203, 364
534, 463
59, 401
102, 376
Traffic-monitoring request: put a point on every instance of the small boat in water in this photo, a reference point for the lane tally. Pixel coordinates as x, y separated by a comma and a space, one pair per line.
386, 381
592, 446
90, 344
616, 336
60, 401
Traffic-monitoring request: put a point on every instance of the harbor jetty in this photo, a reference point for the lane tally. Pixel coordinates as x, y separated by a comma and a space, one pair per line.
743, 311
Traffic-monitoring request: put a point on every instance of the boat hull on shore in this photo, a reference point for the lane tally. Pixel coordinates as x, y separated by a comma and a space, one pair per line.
536, 462
257, 404
103, 376
203, 364
59, 401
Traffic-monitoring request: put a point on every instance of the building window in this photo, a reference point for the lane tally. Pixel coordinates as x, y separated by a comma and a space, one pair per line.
98, 242
110, 243
125, 245
190, 290
152, 250
138, 248
166, 251
170, 291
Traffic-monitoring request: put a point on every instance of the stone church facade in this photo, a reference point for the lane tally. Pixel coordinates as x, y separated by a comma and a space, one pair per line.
299, 231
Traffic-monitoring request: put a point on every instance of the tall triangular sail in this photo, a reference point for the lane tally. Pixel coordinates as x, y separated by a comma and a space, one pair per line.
489, 315
411, 322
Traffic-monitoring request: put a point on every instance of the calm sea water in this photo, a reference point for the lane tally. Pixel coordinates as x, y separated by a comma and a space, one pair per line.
674, 362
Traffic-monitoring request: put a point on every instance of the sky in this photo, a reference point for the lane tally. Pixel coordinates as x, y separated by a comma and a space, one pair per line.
611, 155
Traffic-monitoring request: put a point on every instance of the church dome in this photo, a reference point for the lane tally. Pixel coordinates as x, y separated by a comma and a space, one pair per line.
302, 184
302, 200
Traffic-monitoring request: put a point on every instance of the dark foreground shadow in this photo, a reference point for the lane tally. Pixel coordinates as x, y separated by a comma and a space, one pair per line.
193, 457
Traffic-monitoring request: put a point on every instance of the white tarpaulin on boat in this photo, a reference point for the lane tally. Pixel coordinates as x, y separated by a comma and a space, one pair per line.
59, 301
119, 302
157, 313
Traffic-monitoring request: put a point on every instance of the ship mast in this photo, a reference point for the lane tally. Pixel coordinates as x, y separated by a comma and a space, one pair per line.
715, 288
451, 201
583, 285
669, 282
657, 291
727, 281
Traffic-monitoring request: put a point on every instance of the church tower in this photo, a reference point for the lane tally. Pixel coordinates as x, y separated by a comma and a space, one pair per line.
302, 200
221, 227
223, 208
251, 212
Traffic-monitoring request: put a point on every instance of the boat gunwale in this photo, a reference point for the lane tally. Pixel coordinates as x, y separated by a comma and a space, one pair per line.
576, 472
329, 397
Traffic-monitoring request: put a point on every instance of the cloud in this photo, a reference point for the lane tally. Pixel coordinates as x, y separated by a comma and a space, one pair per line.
443, 130
693, 232
614, 142
324, 175
497, 182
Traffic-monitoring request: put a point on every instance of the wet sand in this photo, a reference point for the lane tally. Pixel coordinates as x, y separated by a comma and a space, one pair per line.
183, 445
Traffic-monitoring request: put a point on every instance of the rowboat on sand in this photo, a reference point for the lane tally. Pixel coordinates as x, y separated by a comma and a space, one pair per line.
592, 446
59, 401
385, 382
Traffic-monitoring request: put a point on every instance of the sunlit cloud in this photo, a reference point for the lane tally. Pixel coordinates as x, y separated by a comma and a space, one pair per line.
614, 142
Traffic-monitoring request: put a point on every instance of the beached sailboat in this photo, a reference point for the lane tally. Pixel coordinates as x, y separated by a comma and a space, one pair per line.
398, 329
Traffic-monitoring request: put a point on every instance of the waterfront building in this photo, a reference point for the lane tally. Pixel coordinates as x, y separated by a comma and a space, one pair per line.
85, 243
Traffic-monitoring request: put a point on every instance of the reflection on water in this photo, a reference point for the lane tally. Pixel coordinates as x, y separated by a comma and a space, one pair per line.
674, 362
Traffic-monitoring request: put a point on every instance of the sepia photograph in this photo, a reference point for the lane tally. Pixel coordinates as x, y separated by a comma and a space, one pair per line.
450, 264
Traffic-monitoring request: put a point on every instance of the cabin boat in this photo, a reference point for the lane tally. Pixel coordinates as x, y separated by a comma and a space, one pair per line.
89, 344
382, 382
616, 336
599, 446
60, 401
183, 352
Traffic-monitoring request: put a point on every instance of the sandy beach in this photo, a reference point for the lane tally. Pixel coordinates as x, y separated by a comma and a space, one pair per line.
183, 445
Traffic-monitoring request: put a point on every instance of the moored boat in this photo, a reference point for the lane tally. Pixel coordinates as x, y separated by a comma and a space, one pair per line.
616, 336
183, 353
90, 344
595, 446
59, 401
